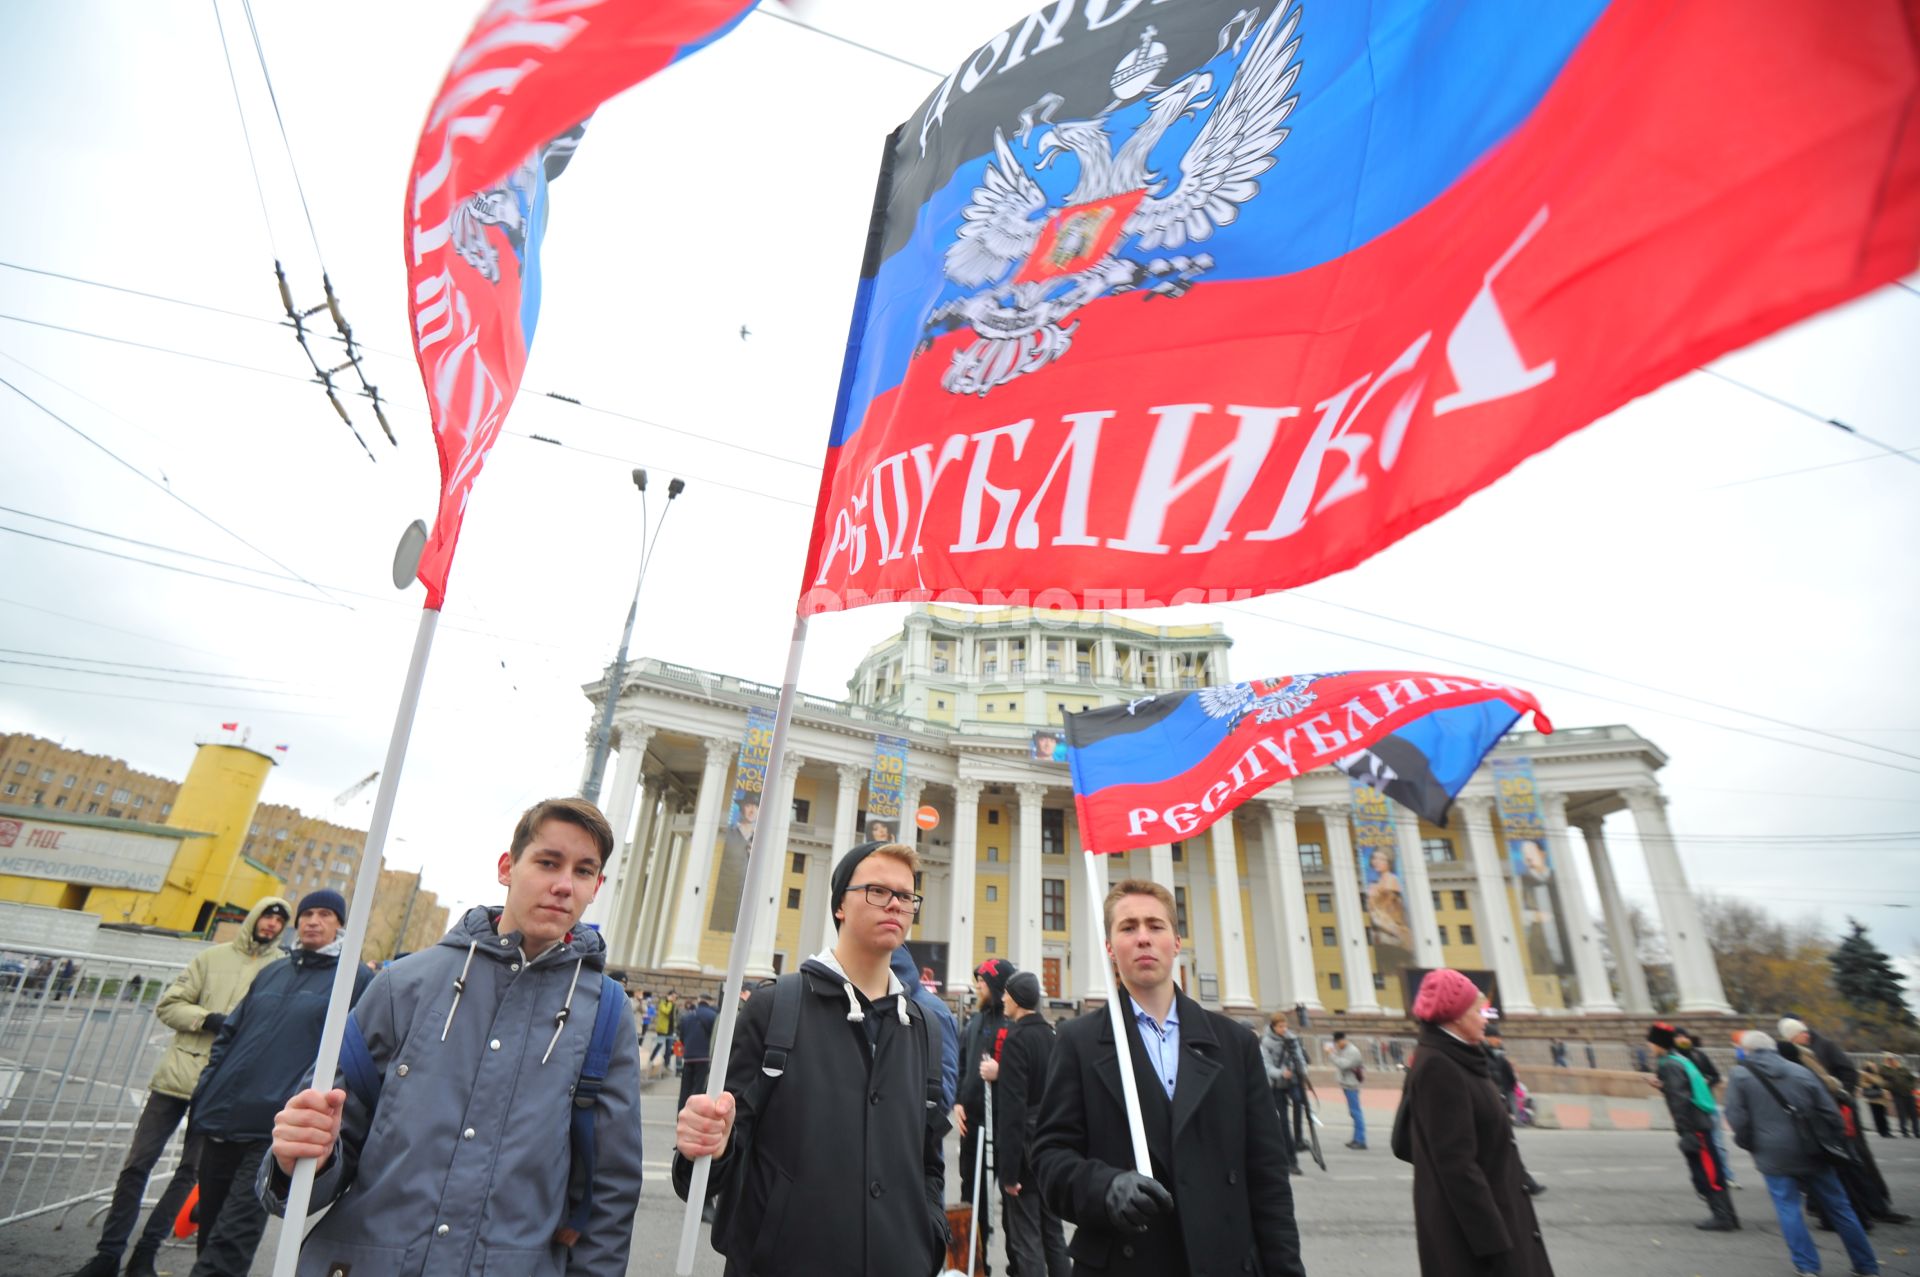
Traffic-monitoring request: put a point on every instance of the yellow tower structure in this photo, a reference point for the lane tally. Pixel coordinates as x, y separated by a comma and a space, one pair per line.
211, 879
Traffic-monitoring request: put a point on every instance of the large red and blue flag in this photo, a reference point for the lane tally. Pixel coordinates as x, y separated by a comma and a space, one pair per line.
506, 120
1169, 303
1164, 768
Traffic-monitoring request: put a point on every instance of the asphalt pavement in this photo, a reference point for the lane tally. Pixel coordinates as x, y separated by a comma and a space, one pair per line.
1618, 1205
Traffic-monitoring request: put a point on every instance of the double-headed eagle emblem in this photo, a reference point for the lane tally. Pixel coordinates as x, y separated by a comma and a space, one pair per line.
1128, 224
1265, 700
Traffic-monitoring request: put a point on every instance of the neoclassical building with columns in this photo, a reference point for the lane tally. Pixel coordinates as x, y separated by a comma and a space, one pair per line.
1270, 901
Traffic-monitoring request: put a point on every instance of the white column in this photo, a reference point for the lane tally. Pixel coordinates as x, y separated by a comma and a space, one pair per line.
1160, 864
1026, 947
1089, 946
905, 831
1297, 983
690, 904
776, 827
1613, 907
1696, 979
1356, 962
966, 815
1496, 914
1589, 966
1418, 888
663, 862
619, 809
1236, 991
1264, 921
623, 912
816, 923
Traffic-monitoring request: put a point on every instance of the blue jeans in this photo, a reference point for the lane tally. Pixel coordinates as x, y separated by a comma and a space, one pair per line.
1786, 1191
1720, 1147
1359, 1120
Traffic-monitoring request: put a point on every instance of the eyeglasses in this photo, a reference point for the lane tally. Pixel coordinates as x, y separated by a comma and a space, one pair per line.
882, 897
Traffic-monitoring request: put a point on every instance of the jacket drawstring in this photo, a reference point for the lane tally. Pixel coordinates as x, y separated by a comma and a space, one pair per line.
459, 987
856, 1016
560, 1016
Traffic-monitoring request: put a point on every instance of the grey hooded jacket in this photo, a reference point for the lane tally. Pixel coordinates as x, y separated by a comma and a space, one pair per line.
1763, 1128
462, 1171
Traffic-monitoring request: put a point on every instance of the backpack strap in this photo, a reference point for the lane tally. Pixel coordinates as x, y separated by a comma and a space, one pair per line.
586, 1102
782, 1029
936, 1090
364, 1078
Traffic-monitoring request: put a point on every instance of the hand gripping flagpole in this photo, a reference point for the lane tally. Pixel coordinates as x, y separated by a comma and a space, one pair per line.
750, 903
293, 1228
1122, 1039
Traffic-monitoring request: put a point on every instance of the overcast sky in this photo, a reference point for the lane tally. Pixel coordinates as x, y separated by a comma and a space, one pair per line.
1701, 543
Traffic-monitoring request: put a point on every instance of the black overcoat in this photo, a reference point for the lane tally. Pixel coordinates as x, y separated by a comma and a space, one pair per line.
1216, 1146
1471, 1217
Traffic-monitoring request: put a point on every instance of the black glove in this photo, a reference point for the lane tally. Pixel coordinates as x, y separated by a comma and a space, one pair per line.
1133, 1200
213, 1022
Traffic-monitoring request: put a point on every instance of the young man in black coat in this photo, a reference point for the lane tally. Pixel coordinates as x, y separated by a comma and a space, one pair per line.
1220, 1200
842, 1173
1036, 1243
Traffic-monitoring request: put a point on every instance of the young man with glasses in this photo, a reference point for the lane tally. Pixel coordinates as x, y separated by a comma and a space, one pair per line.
836, 1164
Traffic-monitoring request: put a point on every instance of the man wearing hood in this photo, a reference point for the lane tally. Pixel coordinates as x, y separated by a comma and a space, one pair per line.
1285, 1061
264, 1051
194, 1006
462, 1166
836, 1167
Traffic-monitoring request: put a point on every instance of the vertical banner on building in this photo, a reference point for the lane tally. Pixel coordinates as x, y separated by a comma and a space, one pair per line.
1531, 863
885, 786
743, 817
1377, 846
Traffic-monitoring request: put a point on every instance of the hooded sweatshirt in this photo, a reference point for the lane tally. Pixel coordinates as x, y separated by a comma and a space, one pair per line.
265, 1051
214, 982
462, 1168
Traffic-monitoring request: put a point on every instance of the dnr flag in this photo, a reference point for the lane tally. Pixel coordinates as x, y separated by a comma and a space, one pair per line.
1171, 302
1166, 767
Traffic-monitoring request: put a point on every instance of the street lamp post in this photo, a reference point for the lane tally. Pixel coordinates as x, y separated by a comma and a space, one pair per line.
603, 730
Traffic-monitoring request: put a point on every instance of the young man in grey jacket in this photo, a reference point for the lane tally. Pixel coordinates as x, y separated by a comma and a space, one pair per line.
1758, 1092
462, 1167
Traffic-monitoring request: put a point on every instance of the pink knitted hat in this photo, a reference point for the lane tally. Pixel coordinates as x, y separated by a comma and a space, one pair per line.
1445, 995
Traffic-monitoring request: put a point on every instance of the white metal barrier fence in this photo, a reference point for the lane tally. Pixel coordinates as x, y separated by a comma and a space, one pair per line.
78, 1043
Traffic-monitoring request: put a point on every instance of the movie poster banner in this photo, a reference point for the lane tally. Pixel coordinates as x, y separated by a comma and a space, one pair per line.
743, 816
885, 788
1376, 845
1543, 931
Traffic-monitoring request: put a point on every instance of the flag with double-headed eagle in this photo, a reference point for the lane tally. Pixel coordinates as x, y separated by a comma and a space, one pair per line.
1179, 302
1162, 768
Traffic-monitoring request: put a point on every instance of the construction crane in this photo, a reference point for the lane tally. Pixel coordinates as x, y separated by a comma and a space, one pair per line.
348, 795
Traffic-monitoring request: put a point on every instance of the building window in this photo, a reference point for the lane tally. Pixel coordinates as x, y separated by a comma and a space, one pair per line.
1436, 902
1053, 904
1459, 900
1443, 933
342, 867
939, 704
1180, 911
1313, 858
39, 796
12, 788
46, 776
1324, 902
939, 665
309, 844
993, 814
993, 892
1053, 832
993, 855
1179, 851
121, 795
166, 810
114, 812
99, 787
992, 945
20, 768
61, 801
799, 863
68, 782
1327, 938
802, 811
253, 830
1466, 933
92, 807
1379, 982
1439, 850
1333, 979
139, 801
793, 897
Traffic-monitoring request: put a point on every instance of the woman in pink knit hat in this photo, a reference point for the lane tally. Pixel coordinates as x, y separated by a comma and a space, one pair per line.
1471, 1214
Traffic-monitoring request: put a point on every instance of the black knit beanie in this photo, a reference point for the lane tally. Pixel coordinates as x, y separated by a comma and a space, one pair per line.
843, 874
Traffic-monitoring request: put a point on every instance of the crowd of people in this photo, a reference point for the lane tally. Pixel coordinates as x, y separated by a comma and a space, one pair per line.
468, 1065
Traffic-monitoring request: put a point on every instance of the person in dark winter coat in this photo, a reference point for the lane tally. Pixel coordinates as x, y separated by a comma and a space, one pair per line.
1220, 1200
1694, 1114
1899, 1079
463, 1165
696, 1044
1036, 1243
1689, 1046
980, 1039
837, 1171
1471, 1213
1761, 1087
264, 1051
1285, 1061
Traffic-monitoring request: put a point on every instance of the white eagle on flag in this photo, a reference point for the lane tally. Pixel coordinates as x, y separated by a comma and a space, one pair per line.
1069, 255
1268, 700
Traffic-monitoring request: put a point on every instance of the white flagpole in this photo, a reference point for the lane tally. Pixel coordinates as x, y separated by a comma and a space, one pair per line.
742, 945
293, 1227
1122, 1035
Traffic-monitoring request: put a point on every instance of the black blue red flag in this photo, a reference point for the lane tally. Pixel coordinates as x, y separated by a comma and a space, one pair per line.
1165, 767
1183, 302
